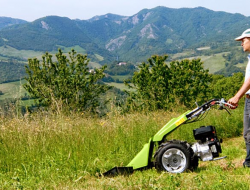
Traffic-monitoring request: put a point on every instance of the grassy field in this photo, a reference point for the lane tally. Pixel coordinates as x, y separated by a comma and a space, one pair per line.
120, 86
214, 62
12, 89
26, 54
55, 151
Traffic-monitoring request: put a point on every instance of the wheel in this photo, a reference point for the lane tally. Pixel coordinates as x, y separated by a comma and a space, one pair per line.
173, 157
194, 162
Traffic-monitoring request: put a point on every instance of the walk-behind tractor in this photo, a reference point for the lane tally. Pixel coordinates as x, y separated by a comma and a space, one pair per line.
177, 156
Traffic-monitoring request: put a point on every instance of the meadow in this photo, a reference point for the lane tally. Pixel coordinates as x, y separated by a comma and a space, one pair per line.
55, 151
46, 150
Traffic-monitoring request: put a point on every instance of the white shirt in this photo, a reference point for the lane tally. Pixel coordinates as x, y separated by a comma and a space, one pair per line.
247, 73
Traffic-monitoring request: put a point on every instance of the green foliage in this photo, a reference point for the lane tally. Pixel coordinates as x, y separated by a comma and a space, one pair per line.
7, 21
122, 69
159, 86
226, 87
11, 71
189, 81
234, 57
229, 70
65, 83
151, 83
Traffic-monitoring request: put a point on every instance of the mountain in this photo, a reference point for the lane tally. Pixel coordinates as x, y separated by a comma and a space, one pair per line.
47, 34
160, 30
7, 21
164, 30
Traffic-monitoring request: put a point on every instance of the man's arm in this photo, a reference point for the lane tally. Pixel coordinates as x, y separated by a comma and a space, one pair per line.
244, 88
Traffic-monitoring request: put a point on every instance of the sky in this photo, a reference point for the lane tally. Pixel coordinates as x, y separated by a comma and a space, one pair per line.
31, 10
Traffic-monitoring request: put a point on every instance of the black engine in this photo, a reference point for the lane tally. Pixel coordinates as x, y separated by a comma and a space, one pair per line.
208, 146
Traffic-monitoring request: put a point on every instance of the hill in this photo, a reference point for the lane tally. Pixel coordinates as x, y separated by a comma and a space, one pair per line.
7, 21
160, 30
48, 34
11, 71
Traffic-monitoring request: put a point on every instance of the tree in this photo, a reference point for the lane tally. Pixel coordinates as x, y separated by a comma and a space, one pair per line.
226, 87
150, 84
190, 81
67, 82
158, 86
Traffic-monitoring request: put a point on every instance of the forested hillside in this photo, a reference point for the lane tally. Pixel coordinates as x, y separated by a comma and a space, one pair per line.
11, 71
160, 30
7, 21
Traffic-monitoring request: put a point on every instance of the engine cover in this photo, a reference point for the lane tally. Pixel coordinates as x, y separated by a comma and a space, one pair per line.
208, 146
205, 133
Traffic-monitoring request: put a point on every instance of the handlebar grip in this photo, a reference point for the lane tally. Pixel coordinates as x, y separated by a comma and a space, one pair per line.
231, 106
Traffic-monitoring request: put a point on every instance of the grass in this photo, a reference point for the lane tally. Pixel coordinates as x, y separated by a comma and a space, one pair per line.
213, 62
95, 65
121, 77
49, 151
12, 89
24, 54
120, 86
77, 48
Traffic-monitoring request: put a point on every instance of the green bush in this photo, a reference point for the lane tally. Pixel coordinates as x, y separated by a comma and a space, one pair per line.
67, 83
160, 86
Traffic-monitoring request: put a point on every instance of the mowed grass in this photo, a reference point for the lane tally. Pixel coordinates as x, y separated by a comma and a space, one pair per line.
56, 151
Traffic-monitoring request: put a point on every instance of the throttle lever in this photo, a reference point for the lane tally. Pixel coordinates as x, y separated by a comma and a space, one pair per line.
227, 111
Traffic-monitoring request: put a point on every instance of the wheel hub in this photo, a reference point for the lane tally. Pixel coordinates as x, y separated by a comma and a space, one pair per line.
174, 160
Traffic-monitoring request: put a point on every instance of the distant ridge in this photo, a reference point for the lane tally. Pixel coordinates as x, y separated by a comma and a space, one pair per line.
160, 30
7, 21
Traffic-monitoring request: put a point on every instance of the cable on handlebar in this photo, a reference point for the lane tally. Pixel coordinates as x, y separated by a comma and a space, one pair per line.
198, 118
199, 113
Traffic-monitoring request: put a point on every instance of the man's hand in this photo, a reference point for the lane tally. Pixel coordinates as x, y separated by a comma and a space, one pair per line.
234, 102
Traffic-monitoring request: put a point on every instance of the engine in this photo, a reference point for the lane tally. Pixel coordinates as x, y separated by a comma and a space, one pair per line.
208, 145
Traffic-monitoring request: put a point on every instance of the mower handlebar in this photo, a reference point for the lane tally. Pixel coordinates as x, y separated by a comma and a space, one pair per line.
206, 106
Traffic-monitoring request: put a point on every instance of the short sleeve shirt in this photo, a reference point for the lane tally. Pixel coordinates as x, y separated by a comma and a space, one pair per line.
247, 73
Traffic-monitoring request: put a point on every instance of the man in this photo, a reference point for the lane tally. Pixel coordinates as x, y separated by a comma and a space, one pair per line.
245, 90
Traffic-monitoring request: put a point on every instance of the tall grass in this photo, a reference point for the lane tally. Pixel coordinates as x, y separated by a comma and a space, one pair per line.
55, 151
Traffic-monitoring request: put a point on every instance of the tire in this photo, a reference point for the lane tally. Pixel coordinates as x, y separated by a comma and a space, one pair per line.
194, 163
173, 157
